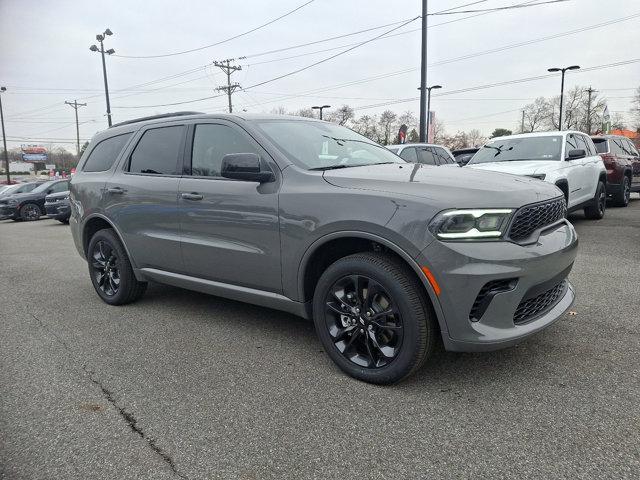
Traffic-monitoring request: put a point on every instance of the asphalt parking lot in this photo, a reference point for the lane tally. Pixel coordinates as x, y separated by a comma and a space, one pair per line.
184, 385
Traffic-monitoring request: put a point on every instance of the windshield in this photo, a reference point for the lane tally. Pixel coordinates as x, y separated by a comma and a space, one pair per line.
318, 146
43, 187
516, 149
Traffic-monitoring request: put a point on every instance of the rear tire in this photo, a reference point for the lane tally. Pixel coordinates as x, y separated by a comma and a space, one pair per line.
30, 212
381, 337
110, 270
596, 210
621, 198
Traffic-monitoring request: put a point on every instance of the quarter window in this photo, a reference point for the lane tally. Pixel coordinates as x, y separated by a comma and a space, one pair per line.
105, 153
157, 151
409, 154
211, 142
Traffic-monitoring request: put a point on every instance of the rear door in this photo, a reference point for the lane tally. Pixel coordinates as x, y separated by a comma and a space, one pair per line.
230, 228
142, 197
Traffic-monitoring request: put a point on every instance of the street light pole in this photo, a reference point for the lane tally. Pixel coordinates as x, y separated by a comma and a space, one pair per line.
429, 108
4, 137
321, 108
563, 70
423, 75
111, 51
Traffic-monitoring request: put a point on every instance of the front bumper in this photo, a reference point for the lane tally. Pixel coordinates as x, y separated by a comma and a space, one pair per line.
58, 210
462, 269
8, 211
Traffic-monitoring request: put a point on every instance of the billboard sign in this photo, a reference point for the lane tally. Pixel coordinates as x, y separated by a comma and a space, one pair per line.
34, 153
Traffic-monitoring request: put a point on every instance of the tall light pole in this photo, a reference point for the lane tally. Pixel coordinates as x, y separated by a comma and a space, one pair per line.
4, 137
423, 75
321, 108
429, 108
563, 70
111, 51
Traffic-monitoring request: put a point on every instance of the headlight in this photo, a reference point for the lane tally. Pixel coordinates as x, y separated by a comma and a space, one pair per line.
470, 224
12, 201
539, 176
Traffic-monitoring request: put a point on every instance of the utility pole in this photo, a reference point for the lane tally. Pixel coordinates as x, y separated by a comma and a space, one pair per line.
589, 91
100, 37
228, 69
75, 106
321, 108
423, 76
522, 123
4, 137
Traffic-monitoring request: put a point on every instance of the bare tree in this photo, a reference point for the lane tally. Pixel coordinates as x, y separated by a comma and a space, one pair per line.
306, 112
280, 110
635, 110
475, 138
387, 121
537, 115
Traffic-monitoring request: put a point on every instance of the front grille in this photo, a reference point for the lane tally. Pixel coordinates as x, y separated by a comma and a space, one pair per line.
486, 294
532, 217
532, 307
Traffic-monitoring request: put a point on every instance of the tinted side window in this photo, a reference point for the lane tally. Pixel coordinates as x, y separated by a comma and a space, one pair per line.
571, 144
581, 143
211, 143
157, 151
602, 145
426, 156
105, 153
410, 155
591, 150
60, 187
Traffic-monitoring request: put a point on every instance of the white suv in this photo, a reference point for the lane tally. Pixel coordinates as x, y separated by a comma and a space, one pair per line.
567, 159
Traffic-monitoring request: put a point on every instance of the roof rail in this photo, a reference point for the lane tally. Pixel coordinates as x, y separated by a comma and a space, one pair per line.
155, 117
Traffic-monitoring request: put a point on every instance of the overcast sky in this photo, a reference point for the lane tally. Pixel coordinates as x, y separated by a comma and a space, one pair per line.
45, 58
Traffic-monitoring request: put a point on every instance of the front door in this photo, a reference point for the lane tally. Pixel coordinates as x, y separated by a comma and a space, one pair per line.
230, 228
580, 176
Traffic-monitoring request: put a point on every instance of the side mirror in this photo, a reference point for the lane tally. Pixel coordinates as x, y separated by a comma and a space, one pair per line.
576, 154
245, 166
50, 190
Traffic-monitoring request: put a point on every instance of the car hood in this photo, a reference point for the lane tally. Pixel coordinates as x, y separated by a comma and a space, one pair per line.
445, 187
20, 197
57, 195
520, 167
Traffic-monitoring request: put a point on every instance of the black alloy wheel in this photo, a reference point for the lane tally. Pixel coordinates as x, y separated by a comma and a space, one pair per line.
30, 212
104, 263
364, 323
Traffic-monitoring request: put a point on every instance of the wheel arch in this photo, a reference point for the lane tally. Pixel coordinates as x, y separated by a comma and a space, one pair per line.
563, 184
313, 264
94, 224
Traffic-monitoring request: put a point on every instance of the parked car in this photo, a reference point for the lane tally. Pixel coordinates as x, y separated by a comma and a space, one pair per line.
566, 159
7, 190
622, 162
58, 207
425, 153
314, 219
463, 155
30, 206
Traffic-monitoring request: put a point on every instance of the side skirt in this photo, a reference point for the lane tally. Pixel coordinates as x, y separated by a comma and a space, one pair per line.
233, 292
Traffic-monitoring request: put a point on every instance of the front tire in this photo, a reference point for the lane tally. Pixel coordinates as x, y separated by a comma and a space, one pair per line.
110, 270
595, 211
373, 318
30, 212
621, 198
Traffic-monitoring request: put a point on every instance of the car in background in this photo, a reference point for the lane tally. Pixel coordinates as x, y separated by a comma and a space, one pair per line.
7, 190
567, 159
30, 206
463, 155
58, 207
622, 162
425, 153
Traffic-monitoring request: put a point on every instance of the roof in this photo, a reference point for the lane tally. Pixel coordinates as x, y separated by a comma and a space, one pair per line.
538, 134
402, 145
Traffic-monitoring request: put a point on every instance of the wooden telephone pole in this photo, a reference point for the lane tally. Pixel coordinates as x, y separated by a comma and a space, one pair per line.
228, 69
75, 106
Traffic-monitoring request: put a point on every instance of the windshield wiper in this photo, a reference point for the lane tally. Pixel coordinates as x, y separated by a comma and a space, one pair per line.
342, 165
499, 149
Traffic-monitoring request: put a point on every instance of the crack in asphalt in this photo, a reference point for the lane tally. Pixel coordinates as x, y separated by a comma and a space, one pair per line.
108, 396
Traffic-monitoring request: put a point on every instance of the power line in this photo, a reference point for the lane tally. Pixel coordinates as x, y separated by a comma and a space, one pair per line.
221, 41
497, 9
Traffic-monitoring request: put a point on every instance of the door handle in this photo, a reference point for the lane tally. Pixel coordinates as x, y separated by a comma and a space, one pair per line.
116, 190
191, 196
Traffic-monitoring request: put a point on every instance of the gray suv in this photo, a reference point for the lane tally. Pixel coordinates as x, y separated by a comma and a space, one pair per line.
308, 217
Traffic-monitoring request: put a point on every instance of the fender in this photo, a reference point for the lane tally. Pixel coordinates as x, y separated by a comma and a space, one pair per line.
393, 247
